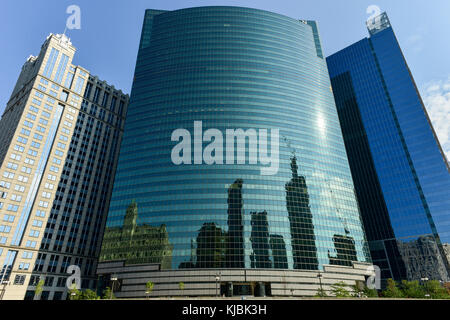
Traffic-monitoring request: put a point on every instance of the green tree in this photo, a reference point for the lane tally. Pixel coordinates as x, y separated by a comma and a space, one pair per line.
88, 294
435, 290
149, 288
412, 289
321, 293
371, 293
181, 286
39, 288
74, 293
392, 291
339, 290
108, 294
360, 289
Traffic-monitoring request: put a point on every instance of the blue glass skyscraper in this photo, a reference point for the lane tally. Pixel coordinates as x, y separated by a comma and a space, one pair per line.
231, 223
400, 172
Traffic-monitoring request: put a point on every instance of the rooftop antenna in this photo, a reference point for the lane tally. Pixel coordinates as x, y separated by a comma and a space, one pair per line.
288, 143
338, 212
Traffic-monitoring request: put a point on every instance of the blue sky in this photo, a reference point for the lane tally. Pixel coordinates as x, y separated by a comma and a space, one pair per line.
108, 39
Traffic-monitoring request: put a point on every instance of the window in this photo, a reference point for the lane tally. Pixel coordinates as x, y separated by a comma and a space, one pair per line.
40, 213
5, 229
19, 148
43, 81
37, 223
34, 109
25, 132
5, 184
30, 244
22, 179
36, 102
68, 81
45, 114
79, 85
15, 197
40, 129
12, 207
24, 266
43, 204
27, 255
29, 161
3, 240
38, 136
12, 166
32, 152
8, 174
34, 233
26, 169
22, 139
35, 144
20, 279
96, 94
46, 195
39, 94
49, 186
19, 188
64, 95
61, 68
28, 124
8, 218
51, 62
42, 121
54, 169
15, 156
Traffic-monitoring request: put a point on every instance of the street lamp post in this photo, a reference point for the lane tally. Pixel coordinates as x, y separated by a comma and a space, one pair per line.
424, 280
217, 282
113, 278
319, 275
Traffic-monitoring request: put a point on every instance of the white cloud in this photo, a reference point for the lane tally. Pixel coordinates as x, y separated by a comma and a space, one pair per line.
436, 97
414, 42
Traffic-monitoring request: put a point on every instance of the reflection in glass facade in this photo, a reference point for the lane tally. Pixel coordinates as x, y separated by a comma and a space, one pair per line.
400, 173
232, 68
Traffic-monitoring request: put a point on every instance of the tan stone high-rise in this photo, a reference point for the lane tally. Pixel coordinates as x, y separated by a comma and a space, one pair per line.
60, 135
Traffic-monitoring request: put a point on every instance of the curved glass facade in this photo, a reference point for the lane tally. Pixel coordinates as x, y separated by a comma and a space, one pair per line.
230, 68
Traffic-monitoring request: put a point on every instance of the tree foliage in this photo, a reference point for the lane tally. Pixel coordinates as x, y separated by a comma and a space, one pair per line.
108, 294
339, 290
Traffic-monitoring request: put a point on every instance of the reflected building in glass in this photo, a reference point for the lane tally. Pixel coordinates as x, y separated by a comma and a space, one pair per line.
227, 223
400, 172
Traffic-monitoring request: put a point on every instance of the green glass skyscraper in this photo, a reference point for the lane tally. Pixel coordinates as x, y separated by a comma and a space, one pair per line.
232, 171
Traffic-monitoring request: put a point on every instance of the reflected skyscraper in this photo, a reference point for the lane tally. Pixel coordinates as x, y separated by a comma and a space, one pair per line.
278, 248
304, 249
344, 246
211, 246
137, 243
235, 235
260, 240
